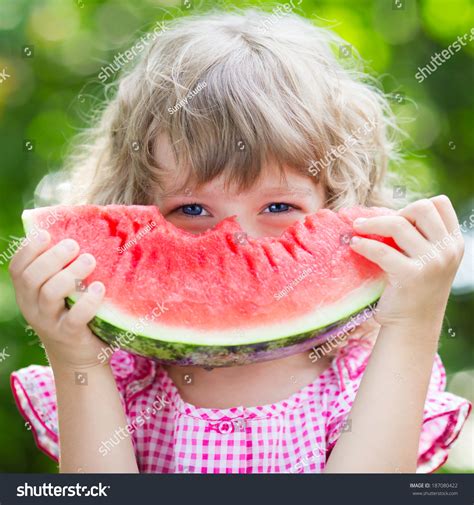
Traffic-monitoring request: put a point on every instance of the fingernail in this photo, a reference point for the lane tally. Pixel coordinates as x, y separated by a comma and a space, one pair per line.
360, 220
43, 236
87, 259
69, 245
97, 288
354, 240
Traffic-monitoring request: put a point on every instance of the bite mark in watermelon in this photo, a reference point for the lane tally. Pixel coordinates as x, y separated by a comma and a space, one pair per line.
212, 300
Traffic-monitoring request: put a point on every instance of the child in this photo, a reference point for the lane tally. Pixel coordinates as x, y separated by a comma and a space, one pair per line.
245, 114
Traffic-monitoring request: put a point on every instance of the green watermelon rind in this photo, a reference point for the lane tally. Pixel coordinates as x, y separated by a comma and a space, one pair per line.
212, 355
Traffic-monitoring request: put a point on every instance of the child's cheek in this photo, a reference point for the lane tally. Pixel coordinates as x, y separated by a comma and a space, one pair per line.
192, 225
274, 226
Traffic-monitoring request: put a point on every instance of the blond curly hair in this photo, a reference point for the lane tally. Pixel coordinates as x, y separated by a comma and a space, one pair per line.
215, 82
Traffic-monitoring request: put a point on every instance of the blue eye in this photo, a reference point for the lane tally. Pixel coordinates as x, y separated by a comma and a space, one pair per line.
193, 210
278, 207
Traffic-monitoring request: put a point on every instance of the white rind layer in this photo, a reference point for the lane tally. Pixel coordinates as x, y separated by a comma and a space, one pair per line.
319, 318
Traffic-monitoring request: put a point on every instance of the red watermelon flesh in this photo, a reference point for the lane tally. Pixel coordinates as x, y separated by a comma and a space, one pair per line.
220, 297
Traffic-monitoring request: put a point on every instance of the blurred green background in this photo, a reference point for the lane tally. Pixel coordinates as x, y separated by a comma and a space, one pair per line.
50, 57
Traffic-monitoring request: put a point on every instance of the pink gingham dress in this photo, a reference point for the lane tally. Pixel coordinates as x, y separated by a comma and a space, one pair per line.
295, 435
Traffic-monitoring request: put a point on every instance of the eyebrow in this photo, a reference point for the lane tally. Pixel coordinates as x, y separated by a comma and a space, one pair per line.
269, 193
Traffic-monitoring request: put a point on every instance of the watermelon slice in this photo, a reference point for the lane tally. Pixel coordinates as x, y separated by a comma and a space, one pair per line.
218, 298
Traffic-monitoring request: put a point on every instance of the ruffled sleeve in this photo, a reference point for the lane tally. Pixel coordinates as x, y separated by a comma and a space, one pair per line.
34, 392
35, 396
443, 417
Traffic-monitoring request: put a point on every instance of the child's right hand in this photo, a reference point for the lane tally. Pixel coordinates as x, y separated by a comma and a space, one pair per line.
42, 283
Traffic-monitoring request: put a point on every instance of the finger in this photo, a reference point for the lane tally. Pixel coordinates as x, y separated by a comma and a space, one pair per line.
424, 215
52, 293
387, 258
48, 264
448, 214
400, 229
82, 312
30, 248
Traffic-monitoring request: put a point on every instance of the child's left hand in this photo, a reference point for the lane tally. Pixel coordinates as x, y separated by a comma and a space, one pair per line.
420, 276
